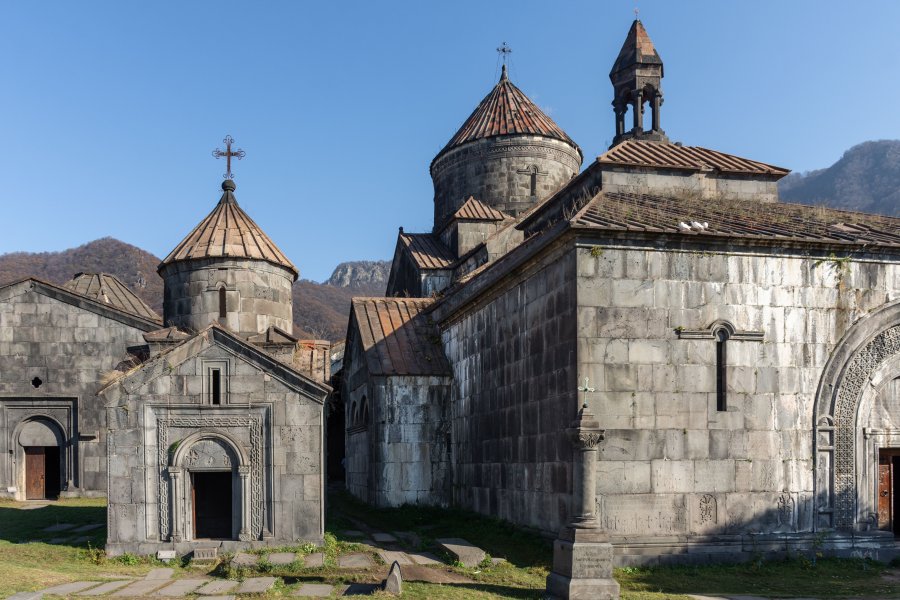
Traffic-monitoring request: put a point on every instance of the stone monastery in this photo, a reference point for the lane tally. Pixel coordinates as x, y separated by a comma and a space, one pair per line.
741, 354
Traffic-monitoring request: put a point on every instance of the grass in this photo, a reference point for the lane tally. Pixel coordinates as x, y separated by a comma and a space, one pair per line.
28, 562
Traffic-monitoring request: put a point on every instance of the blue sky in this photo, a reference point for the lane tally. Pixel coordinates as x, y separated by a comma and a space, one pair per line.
109, 111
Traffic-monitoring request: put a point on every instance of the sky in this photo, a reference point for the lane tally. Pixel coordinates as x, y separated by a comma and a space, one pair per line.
110, 111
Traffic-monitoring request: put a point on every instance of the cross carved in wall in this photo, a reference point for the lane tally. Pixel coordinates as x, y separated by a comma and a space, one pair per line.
586, 388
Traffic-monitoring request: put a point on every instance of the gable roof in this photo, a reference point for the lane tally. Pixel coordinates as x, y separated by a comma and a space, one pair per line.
397, 339
476, 210
81, 301
645, 153
506, 110
776, 221
108, 289
427, 250
638, 49
162, 364
228, 232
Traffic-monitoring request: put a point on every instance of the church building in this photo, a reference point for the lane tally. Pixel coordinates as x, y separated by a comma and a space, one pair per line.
742, 354
204, 428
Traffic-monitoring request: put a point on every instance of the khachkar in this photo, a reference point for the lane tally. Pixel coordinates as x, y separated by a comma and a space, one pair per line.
582, 554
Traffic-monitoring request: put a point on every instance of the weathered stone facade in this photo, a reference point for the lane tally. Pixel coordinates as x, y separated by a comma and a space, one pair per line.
261, 425
55, 347
741, 354
498, 172
257, 295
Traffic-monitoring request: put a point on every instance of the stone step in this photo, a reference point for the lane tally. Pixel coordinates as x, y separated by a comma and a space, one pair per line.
219, 586
181, 587
281, 558
256, 585
106, 588
424, 558
316, 559
355, 560
392, 556
462, 550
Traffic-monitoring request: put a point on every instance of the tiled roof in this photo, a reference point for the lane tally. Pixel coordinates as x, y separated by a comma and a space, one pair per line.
643, 153
397, 339
427, 250
637, 49
109, 290
228, 232
475, 210
773, 221
506, 110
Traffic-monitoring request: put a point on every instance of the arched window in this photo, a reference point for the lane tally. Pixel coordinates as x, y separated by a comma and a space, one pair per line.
722, 335
351, 418
365, 411
222, 310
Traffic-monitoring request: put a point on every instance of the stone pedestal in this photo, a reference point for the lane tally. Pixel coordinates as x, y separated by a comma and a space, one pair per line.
582, 566
582, 554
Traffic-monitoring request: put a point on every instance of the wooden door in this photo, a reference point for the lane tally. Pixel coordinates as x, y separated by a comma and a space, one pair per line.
35, 473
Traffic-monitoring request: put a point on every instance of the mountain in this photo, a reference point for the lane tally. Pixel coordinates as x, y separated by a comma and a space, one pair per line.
361, 274
321, 310
866, 178
135, 267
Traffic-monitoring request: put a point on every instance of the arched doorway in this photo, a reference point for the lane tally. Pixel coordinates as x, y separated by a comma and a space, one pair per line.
857, 435
208, 474
41, 448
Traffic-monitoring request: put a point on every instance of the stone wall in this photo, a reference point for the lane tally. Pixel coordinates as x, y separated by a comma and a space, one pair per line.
672, 464
273, 432
710, 185
53, 355
409, 439
496, 172
513, 357
257, 295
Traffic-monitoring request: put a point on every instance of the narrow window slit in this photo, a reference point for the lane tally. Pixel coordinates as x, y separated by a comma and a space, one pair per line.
721, 364
215, 386
222, 312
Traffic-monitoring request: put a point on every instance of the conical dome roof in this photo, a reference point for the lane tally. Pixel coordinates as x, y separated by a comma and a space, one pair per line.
228, 232
506, 110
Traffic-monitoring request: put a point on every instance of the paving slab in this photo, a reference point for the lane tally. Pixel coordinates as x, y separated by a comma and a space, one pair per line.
462, 550
164, 573
423, 573
140, 588
316, 559
353, 533
355, 560
218, 586
88, 527
181, 587
106, 588
384, 538
256, 585
33, 506
282, 558
70, 588
59, 527
424, 558
242, 559
26, 596
392, 556
219, 597
314, 590
695, 597
409, 537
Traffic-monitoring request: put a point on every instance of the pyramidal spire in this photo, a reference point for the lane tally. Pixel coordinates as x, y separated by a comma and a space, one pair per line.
637, 80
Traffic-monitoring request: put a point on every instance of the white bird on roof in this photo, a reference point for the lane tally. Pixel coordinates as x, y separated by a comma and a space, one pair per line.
699, 226
684, 226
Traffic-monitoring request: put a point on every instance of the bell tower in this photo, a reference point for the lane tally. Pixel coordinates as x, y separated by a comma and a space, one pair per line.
636, 77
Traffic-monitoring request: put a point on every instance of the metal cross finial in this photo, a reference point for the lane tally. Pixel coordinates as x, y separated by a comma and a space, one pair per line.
585, 388
228, 153
504, 51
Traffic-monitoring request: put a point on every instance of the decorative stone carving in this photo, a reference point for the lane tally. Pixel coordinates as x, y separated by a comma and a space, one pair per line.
252, 423
856, 376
